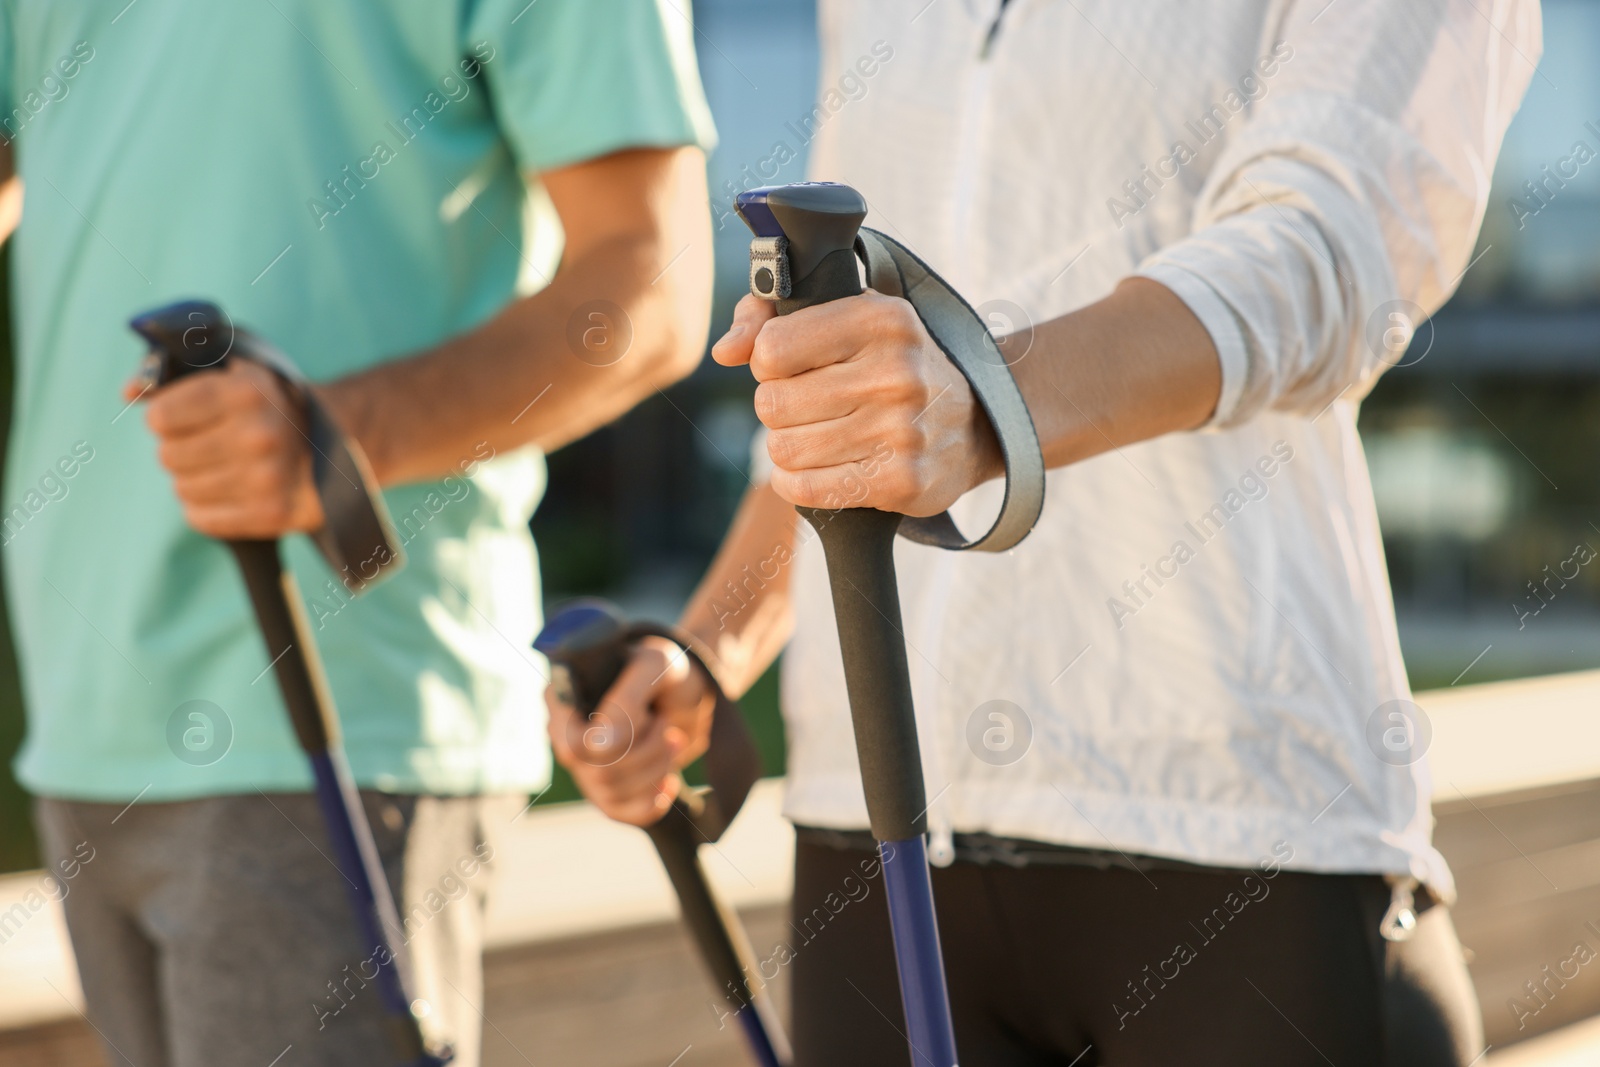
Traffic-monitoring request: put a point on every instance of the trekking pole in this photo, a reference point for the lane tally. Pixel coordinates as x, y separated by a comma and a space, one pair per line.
588, 643
195, 336
807, 238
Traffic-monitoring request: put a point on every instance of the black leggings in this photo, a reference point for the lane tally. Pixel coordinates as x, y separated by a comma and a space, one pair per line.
1071, 965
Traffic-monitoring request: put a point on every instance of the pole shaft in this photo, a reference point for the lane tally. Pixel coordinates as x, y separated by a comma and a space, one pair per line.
717, 933
923, 992
275, 600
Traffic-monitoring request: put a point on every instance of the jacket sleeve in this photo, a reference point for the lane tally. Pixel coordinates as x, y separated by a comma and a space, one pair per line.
1349, 193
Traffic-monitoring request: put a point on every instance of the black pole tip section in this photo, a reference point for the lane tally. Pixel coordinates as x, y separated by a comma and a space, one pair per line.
288, 644
188, 336
859, 546
588, 643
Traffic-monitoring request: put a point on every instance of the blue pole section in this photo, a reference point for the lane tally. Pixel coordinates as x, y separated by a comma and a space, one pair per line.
756, 1037
923, 992
356, 856
349, 856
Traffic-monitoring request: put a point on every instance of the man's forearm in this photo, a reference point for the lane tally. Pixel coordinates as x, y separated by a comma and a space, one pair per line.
625, 315
1127, 368
742, 612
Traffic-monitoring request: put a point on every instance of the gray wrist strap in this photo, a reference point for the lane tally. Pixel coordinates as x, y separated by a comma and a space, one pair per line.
893, 270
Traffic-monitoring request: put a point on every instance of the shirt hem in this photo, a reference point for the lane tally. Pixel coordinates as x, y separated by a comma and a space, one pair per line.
392, 772
1161, 828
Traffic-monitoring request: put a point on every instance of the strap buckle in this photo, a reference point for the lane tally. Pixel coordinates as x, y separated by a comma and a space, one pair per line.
769, 268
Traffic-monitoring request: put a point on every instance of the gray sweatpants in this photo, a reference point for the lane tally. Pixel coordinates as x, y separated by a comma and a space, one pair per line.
217, 933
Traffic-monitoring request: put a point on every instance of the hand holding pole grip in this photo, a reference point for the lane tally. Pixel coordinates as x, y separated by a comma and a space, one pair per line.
804, 253
588, 644
813, 228
195, 336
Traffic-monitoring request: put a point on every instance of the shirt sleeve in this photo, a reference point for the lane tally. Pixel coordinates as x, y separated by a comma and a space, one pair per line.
1351, 191
575, 79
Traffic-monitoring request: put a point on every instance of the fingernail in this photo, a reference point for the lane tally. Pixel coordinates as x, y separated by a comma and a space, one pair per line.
736, 330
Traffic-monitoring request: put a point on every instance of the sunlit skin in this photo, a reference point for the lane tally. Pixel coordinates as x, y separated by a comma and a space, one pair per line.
655, 720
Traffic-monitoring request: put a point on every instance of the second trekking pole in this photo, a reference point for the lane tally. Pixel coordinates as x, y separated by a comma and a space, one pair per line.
588, 643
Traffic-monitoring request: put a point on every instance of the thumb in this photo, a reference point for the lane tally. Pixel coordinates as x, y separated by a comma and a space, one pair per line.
135, 387
733, 348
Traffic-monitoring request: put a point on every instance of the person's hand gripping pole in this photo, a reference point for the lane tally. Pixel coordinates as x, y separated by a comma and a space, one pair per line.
193, 337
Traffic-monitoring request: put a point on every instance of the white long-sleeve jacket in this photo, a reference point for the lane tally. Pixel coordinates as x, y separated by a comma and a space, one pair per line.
1194, 654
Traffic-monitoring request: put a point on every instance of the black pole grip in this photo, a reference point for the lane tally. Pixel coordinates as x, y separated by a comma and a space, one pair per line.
588, 657
859, 546
819, 222
290, 649
187, 338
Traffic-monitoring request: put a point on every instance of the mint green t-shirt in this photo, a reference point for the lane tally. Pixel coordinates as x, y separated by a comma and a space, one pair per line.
346, 178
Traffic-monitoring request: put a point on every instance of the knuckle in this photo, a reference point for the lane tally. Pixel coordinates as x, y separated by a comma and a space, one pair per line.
915, 387
781, 448
907, 439
898, 319
166, 455
259, 439
769, 351
648, 657
769, 402
793, 487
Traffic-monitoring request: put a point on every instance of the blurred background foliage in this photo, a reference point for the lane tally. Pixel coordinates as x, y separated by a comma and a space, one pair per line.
1481, 443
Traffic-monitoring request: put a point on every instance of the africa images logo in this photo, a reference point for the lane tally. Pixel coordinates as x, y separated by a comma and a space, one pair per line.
199, 733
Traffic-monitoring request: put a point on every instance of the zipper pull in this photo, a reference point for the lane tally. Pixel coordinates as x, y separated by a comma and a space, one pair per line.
994, 31
988, 40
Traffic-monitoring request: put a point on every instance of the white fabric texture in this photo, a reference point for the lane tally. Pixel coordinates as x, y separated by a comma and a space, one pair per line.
1200, 628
